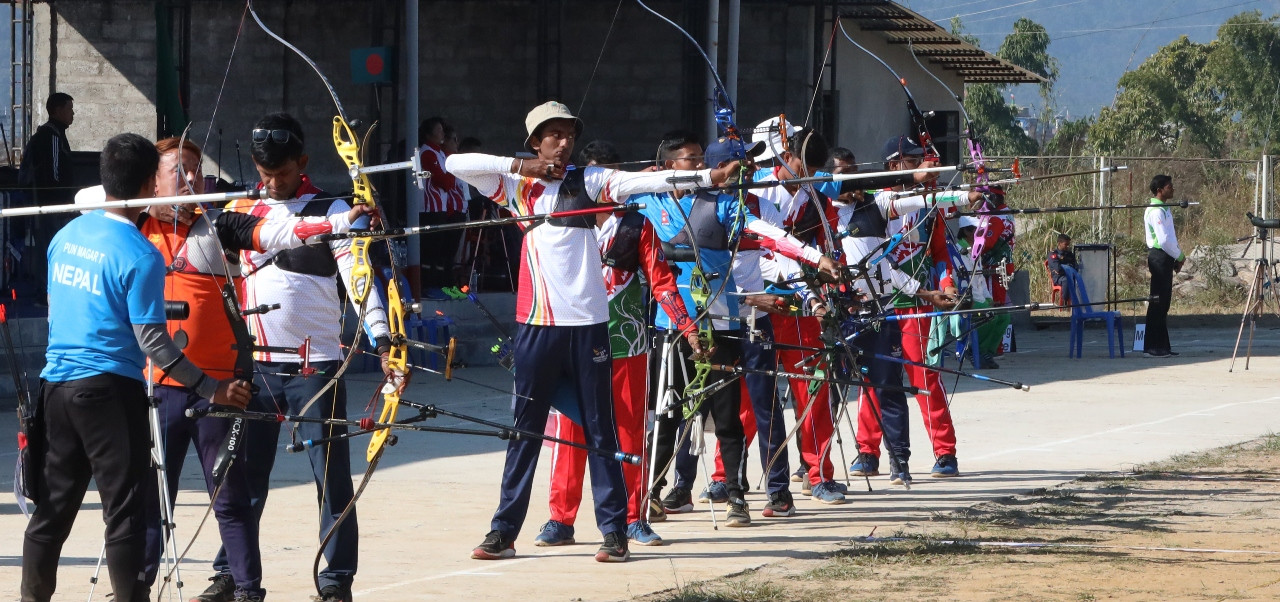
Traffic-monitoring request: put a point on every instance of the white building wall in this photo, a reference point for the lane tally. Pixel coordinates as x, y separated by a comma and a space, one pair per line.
873, 107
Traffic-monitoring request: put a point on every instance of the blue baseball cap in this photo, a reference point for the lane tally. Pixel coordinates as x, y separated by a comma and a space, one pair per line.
722, 150
901, 146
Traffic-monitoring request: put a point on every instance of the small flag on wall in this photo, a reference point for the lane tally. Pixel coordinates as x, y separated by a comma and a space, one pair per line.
372, 65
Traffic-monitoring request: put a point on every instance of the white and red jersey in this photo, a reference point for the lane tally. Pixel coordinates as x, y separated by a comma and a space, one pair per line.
309, 304
560, 267
442, 192
780, 208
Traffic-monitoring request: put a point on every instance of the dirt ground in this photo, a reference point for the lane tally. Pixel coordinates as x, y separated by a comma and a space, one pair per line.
1193, 527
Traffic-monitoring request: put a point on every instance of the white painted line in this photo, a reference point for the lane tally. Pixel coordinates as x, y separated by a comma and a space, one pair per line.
485, 571
1192, 413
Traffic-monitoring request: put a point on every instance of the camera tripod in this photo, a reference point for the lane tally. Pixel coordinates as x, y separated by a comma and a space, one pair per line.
169, 554
1261, 291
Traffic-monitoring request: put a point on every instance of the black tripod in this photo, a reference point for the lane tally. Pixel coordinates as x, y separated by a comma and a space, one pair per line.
1260, 289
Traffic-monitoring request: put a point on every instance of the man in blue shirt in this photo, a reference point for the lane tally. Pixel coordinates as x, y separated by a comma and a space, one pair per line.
106, 318
710, 223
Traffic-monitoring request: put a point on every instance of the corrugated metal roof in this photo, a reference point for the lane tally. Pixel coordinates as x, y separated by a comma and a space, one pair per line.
933, 43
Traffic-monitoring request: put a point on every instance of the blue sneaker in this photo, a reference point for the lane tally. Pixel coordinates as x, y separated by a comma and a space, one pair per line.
865, 465
715, 493
827, 493
946, 467
899, 473
554, 533
641, 534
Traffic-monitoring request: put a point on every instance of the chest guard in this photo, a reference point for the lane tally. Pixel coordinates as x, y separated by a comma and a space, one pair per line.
313, 259
867, 221
708, 232
624, 252
201, 251
808, 224
573, 195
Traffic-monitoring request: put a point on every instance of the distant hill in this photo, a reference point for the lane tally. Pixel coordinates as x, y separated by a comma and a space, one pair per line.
1093, 40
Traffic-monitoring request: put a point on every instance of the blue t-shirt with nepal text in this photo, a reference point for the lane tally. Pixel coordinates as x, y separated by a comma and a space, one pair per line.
104, 277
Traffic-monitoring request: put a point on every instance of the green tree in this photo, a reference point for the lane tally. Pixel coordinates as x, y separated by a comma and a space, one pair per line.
1243, 68
993, 116
1164, 105
996, 120
1071, 139
1028, 47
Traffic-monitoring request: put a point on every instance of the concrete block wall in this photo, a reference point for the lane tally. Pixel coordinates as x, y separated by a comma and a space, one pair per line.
102, 54
478, 69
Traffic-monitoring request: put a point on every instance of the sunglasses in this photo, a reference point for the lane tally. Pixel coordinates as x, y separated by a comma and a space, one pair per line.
260, 136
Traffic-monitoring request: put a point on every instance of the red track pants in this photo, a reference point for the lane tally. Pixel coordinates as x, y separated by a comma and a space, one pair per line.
933, 407
568, 464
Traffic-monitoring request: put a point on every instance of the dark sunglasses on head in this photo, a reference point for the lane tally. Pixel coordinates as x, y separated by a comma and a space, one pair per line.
260, 136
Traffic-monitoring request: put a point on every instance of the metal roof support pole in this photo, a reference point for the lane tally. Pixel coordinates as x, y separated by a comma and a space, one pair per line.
713, 52
410, 79
731, 60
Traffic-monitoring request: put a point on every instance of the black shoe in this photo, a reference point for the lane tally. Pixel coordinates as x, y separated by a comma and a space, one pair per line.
223, 589
738, 513
334, 593
494, 547
1160, 353
614, 548
780, 505
989, 363
243, 596
680, 500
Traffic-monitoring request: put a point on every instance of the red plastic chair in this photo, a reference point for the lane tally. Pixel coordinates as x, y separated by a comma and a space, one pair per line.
1056, 295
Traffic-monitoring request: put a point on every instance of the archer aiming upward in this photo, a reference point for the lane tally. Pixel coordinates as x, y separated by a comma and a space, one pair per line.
710, 224
106, 317
801, 211
201, 248
629, 247
562, 311
899, 281
302, 281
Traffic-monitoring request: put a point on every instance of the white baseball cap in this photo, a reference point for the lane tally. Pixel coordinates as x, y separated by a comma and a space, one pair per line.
767, 132
968, 221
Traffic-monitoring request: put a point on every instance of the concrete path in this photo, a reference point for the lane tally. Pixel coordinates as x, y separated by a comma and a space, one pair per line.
430, 500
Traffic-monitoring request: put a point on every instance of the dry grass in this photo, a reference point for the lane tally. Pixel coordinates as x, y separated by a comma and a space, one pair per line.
1225, 191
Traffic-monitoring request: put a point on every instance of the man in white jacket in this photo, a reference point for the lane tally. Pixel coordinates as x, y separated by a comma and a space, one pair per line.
1163, 259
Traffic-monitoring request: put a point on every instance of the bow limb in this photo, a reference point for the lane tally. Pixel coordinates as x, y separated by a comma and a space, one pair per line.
347, 145
923, 137
982, 238
398, 363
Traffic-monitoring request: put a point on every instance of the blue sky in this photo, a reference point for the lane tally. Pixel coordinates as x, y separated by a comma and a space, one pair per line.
1095, 41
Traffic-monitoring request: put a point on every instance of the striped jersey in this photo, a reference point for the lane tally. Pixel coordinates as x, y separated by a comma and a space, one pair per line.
560, 269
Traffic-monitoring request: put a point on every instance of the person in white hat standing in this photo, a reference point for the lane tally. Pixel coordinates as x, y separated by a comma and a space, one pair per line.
562, 310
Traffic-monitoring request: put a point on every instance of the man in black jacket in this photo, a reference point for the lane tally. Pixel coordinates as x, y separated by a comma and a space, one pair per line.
46, 172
